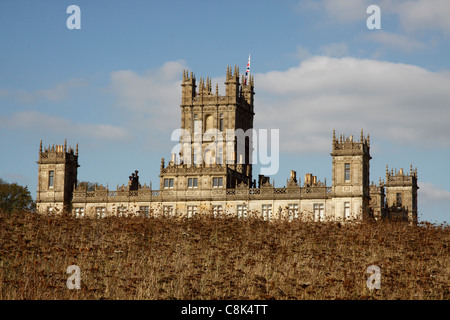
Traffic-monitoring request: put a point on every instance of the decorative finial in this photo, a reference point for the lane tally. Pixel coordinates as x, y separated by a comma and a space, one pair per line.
76, 152
65, 145
40, 147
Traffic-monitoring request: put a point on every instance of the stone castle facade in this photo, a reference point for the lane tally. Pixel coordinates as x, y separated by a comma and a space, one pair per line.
215, 186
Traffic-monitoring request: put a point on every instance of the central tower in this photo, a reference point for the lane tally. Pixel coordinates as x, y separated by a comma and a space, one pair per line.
216, 135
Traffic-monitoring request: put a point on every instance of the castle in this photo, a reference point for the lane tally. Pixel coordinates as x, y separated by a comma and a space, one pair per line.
199, 180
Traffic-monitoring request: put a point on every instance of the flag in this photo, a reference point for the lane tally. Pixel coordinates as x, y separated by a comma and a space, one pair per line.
247, 71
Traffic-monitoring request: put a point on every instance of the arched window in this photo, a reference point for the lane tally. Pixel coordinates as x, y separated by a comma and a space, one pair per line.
209, 122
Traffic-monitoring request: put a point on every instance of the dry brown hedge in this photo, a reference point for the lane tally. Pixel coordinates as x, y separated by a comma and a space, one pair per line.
226, 258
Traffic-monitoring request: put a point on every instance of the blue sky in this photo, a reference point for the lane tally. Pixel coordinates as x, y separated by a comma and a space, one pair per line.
114, 85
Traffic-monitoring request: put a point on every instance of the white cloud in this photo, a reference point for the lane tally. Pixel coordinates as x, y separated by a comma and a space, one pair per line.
422, 14
396, 41
59, 92
414, 15
39, 123
153, 97
429, 193
338, 49
347, 11
401, 103
302, 53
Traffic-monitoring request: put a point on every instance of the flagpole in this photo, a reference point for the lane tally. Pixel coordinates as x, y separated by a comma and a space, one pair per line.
249, 65
247, 71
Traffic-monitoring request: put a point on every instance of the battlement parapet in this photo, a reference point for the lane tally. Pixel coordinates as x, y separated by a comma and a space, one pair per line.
57, 154
400, 178
345, 145
240, 193
237, 92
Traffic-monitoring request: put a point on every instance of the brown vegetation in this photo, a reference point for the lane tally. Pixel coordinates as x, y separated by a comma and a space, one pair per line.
224, 258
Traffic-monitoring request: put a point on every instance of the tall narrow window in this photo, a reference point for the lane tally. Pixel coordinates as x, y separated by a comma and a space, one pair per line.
221, 123
79, 212
217, 210
168, 183
293, 211
192, 182
347, 172
347, 210
195, 155
266, 211
319, 213
241, 210
191, 211
220, 155
144, 211
100, 212
399, 199
218, 182
121, 211
168, 211
51, 178
197, 124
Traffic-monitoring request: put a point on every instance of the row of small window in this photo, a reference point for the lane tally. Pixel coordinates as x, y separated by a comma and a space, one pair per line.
121, 211
143, 210
266, 211
192, 210
319, 211
193, 182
